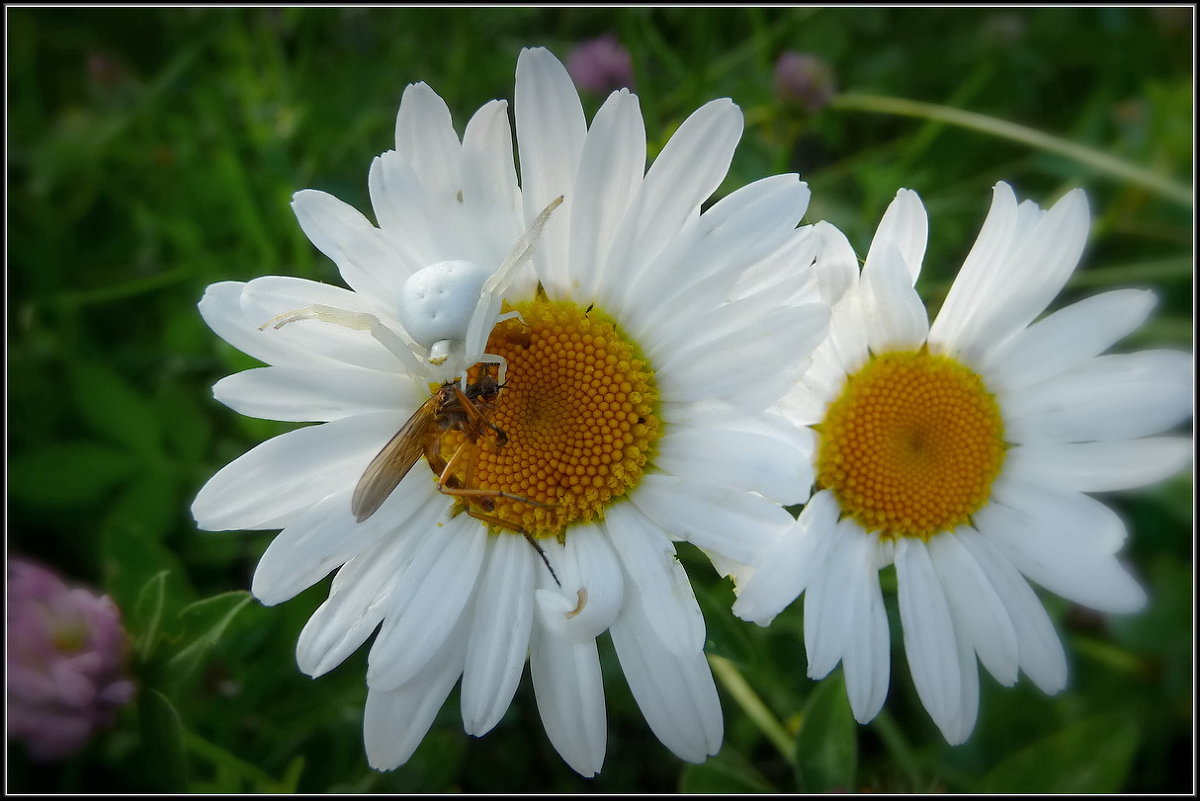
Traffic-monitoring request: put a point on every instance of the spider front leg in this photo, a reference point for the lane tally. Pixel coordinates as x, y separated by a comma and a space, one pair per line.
359, 321
355, 321
495, 358
491, 358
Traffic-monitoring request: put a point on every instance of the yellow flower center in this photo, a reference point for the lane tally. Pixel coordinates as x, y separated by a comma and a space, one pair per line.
577, 415
912, 445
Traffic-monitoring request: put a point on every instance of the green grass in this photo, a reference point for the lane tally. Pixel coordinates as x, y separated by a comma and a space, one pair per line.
153, 152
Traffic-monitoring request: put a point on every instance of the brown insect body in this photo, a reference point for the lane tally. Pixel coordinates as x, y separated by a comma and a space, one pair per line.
421, 435
449, 408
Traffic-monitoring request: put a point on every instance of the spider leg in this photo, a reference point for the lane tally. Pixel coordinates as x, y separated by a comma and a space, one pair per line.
356, 321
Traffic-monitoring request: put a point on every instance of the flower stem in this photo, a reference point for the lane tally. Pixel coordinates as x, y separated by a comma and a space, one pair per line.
752, 705
854, 101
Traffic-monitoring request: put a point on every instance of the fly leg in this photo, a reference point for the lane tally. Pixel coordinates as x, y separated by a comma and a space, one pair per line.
496, 521
477, 421
447, 481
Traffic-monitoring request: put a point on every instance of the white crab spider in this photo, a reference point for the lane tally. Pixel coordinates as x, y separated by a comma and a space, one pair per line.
447, 309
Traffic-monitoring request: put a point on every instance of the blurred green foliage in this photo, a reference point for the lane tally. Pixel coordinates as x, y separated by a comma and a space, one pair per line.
154, 151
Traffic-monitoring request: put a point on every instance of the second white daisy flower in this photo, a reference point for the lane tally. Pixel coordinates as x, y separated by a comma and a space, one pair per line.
960, 452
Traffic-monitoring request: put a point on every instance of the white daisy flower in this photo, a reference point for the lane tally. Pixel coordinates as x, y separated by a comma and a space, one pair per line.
960, 452
640, 349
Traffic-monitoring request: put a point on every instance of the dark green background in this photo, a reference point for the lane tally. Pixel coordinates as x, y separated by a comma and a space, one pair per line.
152, 152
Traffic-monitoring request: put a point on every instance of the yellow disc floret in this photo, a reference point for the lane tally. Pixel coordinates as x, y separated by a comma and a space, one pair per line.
577, 415
912, 445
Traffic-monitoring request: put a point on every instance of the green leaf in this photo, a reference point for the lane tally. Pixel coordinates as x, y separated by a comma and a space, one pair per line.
162, 742
235, 775
151, 503
1091, 756
291, 775
727, 772
116, 410
827, 743
131, 540
147, 615
205, 621
67, 474
190, 431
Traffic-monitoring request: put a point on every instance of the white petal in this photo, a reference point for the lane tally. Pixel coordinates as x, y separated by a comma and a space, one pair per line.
930, 643
972, 288
892, 311
305, 394
593, 585
735, 524
764, 453
610, 172
675, 692
291, 472
1040, 651
687, 171
727, 568
591, 560
425, 135
1062, 544
1065, 339
1029, 214
1077, 516
958, 728
1100, 466
848, 335
829, 603
787, 274
766, 353
490, 192
265, 298
431, 592
1030, 277
789, 564
1113, 397
359, 596
802, 405
222, 308
408, 218
979, 614
658, 578
570, 699
395, 721
550, 136
836, 264
905, 227
498, 640
687, 336
699, 268
362, 252
866, 661
327, 536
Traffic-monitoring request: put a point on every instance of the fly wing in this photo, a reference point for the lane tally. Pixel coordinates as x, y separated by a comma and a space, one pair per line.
393, 462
